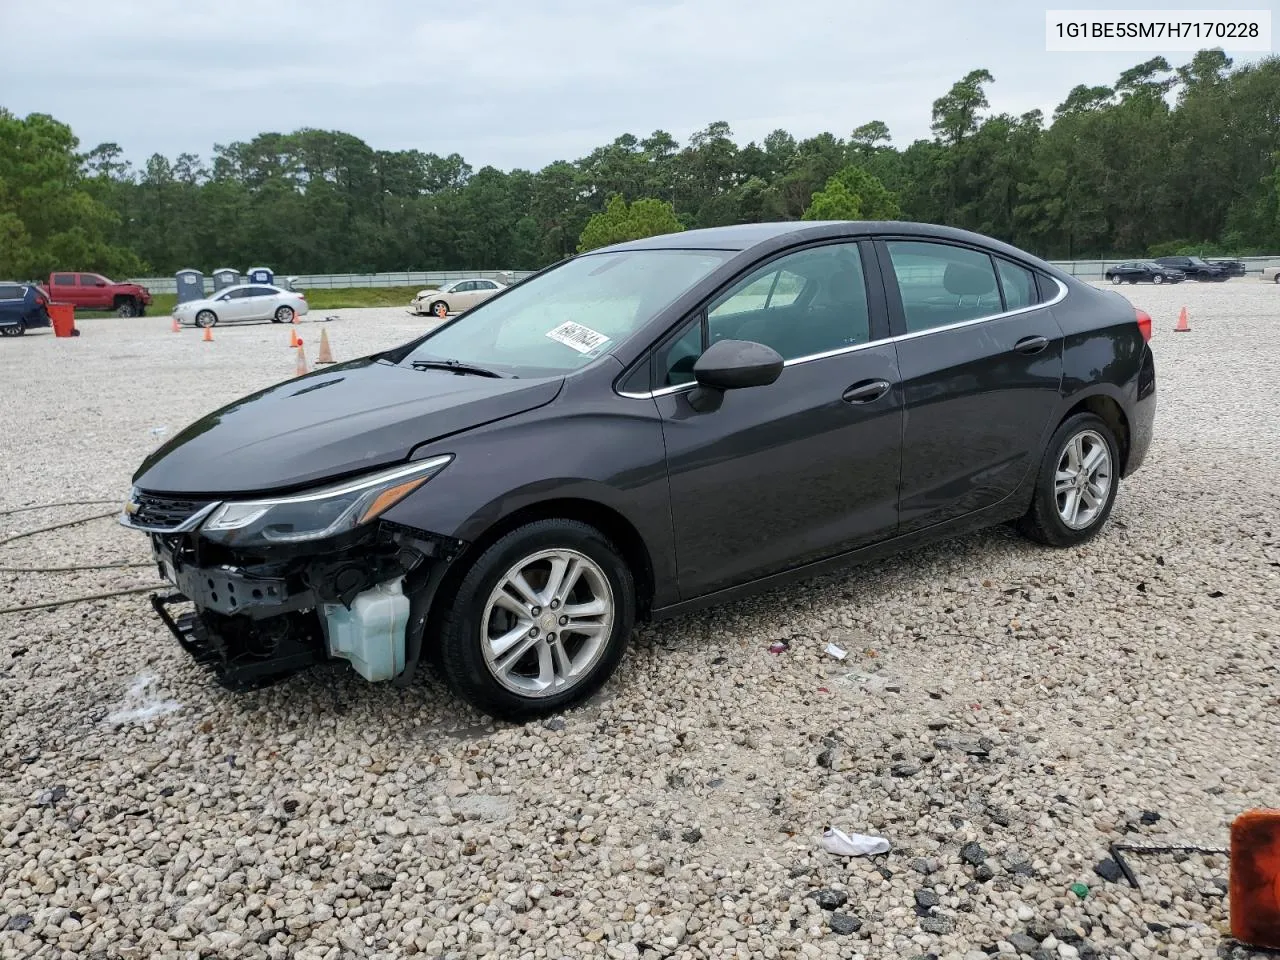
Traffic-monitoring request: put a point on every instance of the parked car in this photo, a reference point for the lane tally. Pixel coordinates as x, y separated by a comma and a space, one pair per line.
1195, 268
1143, 271
92, 291
246, 301
22, 306
636, 432
1270, 274
1233, 268
455, 297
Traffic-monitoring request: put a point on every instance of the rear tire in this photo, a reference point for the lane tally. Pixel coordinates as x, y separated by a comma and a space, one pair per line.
1115, 278
1065, 509
491, 620
206, 318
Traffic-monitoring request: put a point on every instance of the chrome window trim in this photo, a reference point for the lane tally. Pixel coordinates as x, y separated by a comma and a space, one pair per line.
1062, 293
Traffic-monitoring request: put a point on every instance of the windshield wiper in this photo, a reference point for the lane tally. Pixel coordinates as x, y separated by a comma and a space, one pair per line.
456, 366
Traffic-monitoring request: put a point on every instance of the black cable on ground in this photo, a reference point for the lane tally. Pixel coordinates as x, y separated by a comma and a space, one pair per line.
50, 506
55, 526
47, 604
87, 566
1129, 875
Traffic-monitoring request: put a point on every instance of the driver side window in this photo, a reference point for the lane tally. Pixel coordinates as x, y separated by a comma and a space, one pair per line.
805, 303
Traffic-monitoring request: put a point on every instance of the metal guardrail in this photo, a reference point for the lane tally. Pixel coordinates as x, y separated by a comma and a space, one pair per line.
1084, 269
346, 281
1096, 269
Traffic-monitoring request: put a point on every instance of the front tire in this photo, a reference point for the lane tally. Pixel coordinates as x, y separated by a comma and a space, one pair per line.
440, 309
1077, 484
126, 308
1158, 278
539, 622
206, 318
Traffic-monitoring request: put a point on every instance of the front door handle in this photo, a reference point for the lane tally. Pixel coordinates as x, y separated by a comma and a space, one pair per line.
866, 391
1031, 344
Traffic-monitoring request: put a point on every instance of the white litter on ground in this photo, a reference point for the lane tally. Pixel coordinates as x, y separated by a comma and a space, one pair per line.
141, 703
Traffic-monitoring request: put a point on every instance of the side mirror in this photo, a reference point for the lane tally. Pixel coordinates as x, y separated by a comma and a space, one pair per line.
735, 364
99, 283
732, 365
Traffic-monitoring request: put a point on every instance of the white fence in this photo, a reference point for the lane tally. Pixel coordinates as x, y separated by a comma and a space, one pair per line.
1085, 269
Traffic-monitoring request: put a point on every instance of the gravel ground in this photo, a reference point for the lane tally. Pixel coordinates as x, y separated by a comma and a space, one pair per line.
1004, 714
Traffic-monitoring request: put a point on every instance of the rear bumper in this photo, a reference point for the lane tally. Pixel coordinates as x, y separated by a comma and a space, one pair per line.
1142, 413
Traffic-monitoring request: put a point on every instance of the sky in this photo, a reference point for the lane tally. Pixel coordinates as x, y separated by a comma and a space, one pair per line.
521, 84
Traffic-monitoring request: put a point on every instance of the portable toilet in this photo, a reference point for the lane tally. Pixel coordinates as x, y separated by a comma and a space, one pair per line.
190, 285
261, 275
225, 277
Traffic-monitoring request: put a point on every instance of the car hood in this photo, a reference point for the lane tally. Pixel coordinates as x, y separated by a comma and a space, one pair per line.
348, 418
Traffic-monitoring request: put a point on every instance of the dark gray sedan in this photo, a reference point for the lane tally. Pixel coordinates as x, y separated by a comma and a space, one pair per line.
636, 432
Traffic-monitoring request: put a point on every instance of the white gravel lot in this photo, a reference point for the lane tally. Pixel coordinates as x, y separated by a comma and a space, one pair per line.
1033, 702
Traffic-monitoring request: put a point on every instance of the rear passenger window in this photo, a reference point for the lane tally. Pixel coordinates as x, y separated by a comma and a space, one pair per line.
941, 284
1018, 284
11, 292
64, 280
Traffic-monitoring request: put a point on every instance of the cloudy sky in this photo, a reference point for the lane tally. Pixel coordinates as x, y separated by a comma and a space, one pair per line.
514, 83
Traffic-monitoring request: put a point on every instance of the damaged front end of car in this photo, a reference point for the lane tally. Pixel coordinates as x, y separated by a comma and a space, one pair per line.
280, 583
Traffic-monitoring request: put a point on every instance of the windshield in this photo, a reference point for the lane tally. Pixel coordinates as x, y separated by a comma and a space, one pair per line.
562, 320
1197, 261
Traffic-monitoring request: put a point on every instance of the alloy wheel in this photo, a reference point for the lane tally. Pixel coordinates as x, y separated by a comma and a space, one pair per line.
1083, 479
547, 622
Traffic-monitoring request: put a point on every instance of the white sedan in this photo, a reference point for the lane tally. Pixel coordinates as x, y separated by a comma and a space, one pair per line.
248, 301
455, 297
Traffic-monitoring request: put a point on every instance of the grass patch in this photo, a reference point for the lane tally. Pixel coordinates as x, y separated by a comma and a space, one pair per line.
339, 299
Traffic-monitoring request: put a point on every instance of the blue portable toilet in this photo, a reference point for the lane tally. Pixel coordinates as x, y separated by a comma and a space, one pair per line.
225, 277
190, 285
261, 275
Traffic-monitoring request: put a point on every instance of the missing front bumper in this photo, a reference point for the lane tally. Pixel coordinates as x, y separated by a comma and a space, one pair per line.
254, 623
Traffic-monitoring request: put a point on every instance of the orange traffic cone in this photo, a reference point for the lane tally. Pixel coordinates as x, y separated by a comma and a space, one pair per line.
295, 316
302, 360
175, 327
1254, 882
208, 334
1184, 326
325, 355
293, 338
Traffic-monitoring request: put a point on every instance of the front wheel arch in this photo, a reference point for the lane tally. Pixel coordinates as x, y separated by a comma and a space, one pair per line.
608, 521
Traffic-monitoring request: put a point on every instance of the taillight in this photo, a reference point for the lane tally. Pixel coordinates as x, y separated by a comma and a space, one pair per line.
40, 301
1144, 323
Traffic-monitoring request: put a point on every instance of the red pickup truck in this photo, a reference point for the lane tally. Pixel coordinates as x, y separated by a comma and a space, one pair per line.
91, 291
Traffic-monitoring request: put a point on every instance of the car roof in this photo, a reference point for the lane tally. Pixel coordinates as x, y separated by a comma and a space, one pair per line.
744, 236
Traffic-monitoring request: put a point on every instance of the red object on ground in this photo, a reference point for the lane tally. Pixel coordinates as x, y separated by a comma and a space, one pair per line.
63, 316
1254, 883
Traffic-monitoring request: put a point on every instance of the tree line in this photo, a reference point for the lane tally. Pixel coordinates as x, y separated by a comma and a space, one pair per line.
1164, 160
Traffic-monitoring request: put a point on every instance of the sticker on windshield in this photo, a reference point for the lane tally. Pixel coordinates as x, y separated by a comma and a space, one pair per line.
577, 337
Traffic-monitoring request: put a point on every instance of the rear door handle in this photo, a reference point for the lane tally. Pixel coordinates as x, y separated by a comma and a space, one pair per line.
866, 391
1031, 344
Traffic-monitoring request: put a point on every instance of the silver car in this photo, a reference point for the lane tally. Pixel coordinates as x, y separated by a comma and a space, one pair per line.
455, 297
1271, 274
247, 301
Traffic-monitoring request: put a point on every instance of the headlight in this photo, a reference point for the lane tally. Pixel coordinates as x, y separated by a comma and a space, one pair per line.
321, 513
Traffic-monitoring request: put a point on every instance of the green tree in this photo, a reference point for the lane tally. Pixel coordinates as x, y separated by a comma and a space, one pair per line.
853, 194
621, 221
50, 216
